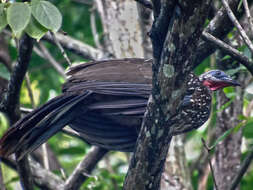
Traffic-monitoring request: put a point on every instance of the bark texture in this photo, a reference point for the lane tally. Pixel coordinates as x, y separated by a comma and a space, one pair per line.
176, 175
122, 29
145, 20
176, 166
174, 43
228, 152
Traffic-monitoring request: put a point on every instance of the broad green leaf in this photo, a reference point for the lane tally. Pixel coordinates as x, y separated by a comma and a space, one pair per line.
231, 72
47, 15
3, 20
35, 29
18, 17
242, 117
248, 129
247, 52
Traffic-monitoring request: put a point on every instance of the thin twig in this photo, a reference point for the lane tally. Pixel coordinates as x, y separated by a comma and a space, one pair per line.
94, 28
25, 110
229, 50
210, 162
219, 26
84, 168
76, 46
111, 171
45, 156
44, 148
60, 47
71, 132
51, 60
145, 3
30, 93
237, 25
244, 166
247, 11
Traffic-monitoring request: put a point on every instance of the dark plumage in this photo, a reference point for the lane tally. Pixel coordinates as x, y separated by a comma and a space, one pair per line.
105, 101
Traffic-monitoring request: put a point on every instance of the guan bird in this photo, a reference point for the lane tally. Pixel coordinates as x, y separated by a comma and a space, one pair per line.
105, 101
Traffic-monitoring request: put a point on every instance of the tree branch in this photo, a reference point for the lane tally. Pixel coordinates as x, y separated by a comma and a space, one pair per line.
64, 54
219, 27
94, 27
237, 25
234, 53
244, 166
169, 73
84, 168
247, 11
210, 162
42, 177
76, 46
145, 3
10, 104
51, 60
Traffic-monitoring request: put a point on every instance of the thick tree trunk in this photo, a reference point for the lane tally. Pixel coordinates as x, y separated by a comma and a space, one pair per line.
176, 175
145, 20
177, 172
228, 152
174, 46
121, 28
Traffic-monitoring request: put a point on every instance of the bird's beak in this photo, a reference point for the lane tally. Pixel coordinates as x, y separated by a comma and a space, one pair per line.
231, 82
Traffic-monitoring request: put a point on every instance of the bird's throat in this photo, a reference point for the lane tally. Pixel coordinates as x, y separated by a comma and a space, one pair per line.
214, 85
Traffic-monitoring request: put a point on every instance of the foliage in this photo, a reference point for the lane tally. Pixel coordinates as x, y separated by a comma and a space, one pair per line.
34, 18
40, 16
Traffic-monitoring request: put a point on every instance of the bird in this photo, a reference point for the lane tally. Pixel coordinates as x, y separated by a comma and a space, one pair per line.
105, 101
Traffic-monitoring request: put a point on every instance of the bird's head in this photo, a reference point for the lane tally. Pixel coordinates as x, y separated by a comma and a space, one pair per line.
216, 79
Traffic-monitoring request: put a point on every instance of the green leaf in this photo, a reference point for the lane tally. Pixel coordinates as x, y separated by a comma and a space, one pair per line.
224, 106
47, 15
239, 126
35, 29
3, 20
18, 17
248, 130
242, 117
239, 5
228, 132
222, 137
226, 57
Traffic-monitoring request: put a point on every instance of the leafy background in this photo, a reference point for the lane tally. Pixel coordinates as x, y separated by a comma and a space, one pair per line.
46, 83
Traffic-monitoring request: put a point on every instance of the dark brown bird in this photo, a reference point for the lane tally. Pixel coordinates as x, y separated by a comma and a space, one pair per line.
105, 102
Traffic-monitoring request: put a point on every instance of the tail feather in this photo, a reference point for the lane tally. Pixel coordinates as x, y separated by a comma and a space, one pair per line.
38, 126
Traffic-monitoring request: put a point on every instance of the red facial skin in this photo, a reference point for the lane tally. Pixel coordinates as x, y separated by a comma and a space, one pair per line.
212, 85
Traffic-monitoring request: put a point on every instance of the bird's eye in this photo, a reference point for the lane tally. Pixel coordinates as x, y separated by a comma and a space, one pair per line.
218, 73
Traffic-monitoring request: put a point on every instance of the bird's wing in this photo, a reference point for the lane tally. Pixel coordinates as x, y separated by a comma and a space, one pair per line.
114, 116
131, 71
